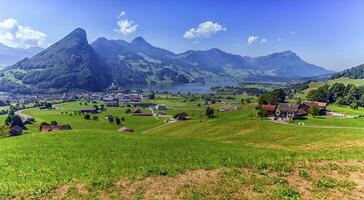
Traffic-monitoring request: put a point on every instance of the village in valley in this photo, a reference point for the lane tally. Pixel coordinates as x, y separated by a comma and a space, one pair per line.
112, 107
125, 108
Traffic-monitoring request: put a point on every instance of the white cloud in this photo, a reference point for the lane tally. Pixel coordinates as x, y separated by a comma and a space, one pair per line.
293, 33
125, 26
122, 14
263, 41
14, 35
204, 30
252, 39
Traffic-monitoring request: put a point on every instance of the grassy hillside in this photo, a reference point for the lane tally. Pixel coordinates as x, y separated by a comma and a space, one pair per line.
345, 80
255, 158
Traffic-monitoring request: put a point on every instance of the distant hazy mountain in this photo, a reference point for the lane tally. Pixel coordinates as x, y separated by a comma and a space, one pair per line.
287, 64
73, 64
9, 55
214, 60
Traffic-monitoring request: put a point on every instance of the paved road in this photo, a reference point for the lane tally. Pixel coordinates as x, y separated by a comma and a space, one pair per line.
22, 115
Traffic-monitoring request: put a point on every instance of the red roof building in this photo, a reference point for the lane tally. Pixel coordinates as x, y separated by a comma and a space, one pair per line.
269, 108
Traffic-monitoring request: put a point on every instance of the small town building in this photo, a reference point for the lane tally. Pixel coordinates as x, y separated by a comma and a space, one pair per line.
161, 107
47, 106
287, 111
137, 111
182, 116
28, 120
88, 110
126, 130
111, 103
143, 114
105, 99
49, 128
109, 117
161, 113
306, 105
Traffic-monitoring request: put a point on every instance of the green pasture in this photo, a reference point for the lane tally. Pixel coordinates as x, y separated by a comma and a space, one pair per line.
94, 153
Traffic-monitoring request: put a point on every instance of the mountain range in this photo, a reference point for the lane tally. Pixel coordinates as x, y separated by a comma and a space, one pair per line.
9, 55
74, 64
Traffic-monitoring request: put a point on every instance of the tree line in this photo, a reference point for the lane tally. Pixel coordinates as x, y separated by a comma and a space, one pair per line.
339, 93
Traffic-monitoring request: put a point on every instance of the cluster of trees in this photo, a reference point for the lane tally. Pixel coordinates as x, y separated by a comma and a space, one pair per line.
339, 93
13, 120
274, 97
88, 117
116, 120
151, 95
17, 88
354, 73
246, 100
297, 87
45, 104
210, 112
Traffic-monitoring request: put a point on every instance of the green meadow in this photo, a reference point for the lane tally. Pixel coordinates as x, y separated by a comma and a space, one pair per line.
255, 157
346, 110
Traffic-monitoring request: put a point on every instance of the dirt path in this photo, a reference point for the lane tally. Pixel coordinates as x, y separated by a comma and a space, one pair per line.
25, 116
160, 126
154, 115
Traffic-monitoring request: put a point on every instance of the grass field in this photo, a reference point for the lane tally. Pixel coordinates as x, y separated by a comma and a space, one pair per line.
346, 110
232, 156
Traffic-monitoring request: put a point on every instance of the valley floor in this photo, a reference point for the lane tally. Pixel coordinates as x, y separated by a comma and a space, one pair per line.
231, 156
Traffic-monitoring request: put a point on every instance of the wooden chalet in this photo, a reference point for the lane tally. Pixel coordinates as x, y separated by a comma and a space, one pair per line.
306, 105
269, 109
289, 111
182, 116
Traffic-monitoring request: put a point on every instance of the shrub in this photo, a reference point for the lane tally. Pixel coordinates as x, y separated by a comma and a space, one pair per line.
87, 116
117, 120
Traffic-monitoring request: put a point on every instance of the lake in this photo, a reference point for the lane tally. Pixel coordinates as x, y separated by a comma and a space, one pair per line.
196, 88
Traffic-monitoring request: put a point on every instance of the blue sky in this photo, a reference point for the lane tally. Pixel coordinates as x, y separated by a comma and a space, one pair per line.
329, 33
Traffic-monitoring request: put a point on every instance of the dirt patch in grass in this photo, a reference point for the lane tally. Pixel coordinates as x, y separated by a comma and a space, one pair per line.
81, 188
61, 192
331, 179
306, 180
163, 187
